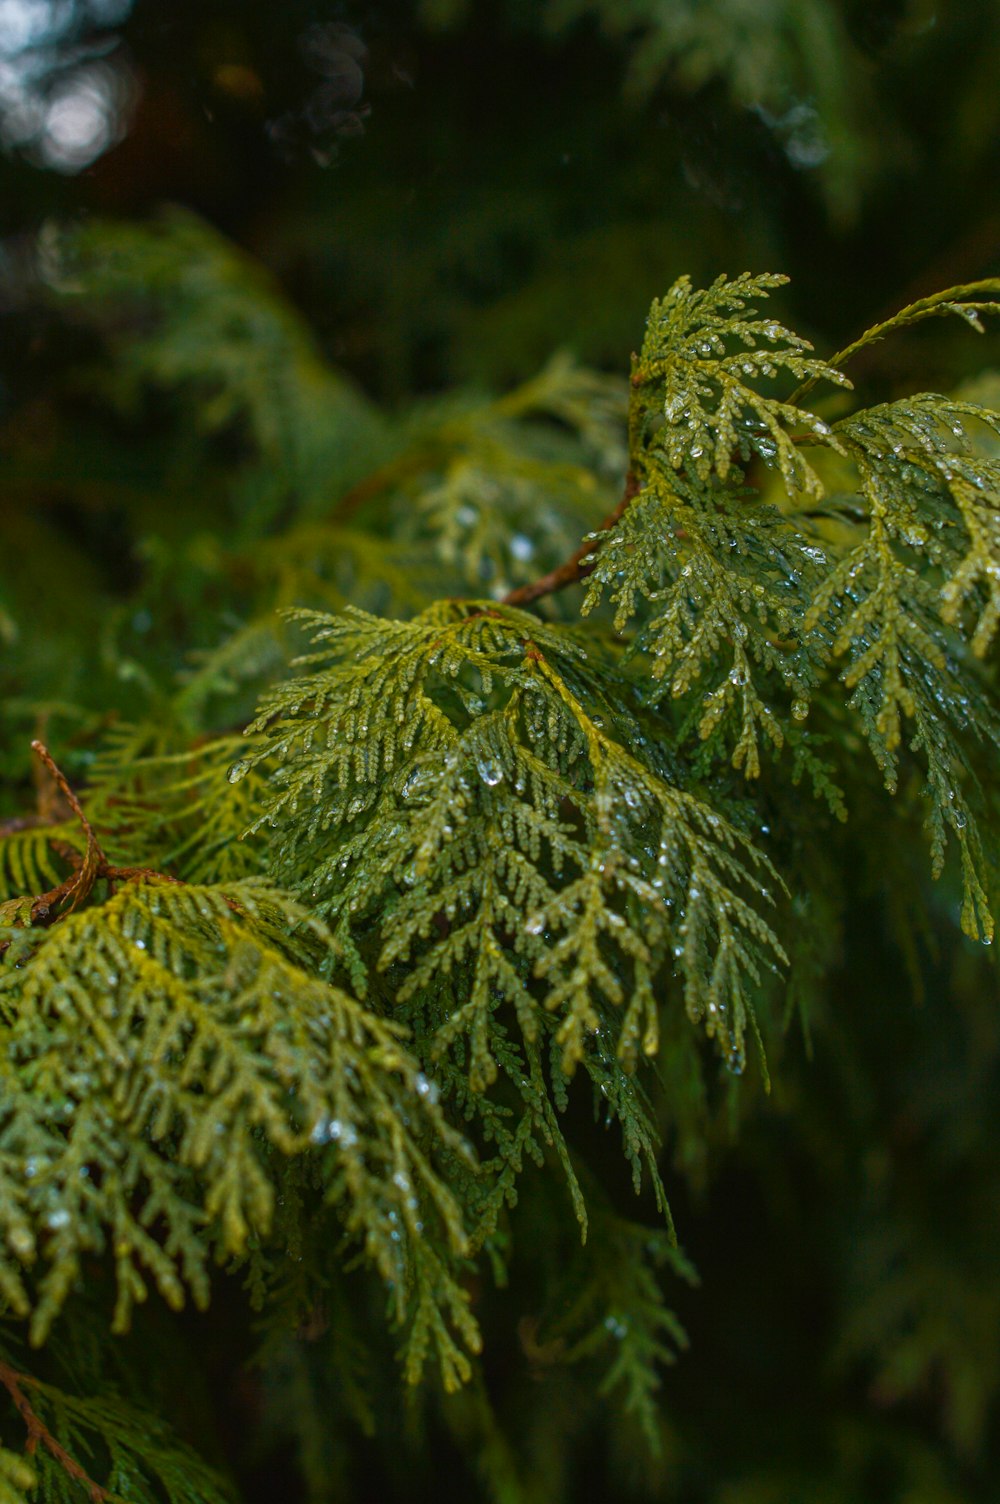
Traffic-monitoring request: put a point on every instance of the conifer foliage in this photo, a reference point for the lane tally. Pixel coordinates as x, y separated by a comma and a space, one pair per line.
293, 1016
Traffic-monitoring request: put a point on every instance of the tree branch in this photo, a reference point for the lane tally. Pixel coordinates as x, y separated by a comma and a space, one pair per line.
40, 1435
574, 568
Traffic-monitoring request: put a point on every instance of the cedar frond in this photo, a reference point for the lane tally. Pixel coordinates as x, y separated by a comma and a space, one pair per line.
164, 1050
703, 349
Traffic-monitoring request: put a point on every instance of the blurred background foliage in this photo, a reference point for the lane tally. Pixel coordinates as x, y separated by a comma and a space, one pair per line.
263, 266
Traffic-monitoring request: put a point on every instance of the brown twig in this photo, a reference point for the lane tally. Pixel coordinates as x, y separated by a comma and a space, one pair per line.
88, 867
40, 1435
77, 887
42, 752
574, 568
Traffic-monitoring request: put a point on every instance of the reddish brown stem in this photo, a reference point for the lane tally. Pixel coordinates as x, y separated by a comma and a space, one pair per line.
42, 752
574, 568
40, 1435
88, 867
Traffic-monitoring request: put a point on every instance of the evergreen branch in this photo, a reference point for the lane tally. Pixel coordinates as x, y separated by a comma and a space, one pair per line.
701, 350
40, 1435
580, 564
29, 860
493, 864
461, 813
130, 1448
967, 302
87, 867
609, 1308
713, 417
153, 993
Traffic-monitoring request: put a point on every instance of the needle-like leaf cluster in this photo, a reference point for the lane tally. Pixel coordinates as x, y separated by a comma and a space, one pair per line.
333, 1011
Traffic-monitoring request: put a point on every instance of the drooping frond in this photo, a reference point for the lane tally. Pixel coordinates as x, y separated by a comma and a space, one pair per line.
741, 606
928, 543
462, 798
721, 582
929, 484
164, 1051
609, 1309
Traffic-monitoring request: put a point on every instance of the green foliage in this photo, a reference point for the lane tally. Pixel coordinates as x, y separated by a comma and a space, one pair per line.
774, 593
73, 1436
201, 1050
240, 350
15, 1477
611, 1311
706, 348
328, 1020
492, 767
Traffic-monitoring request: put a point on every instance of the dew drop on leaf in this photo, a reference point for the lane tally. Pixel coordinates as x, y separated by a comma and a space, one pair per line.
490, 771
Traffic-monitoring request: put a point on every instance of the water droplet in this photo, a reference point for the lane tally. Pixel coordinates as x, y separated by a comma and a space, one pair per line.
427, 1089
327, 1130
490, 770
239, 770
800, 709
417, 783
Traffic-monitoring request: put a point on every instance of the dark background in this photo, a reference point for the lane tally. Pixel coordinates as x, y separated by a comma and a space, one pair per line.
478, 183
